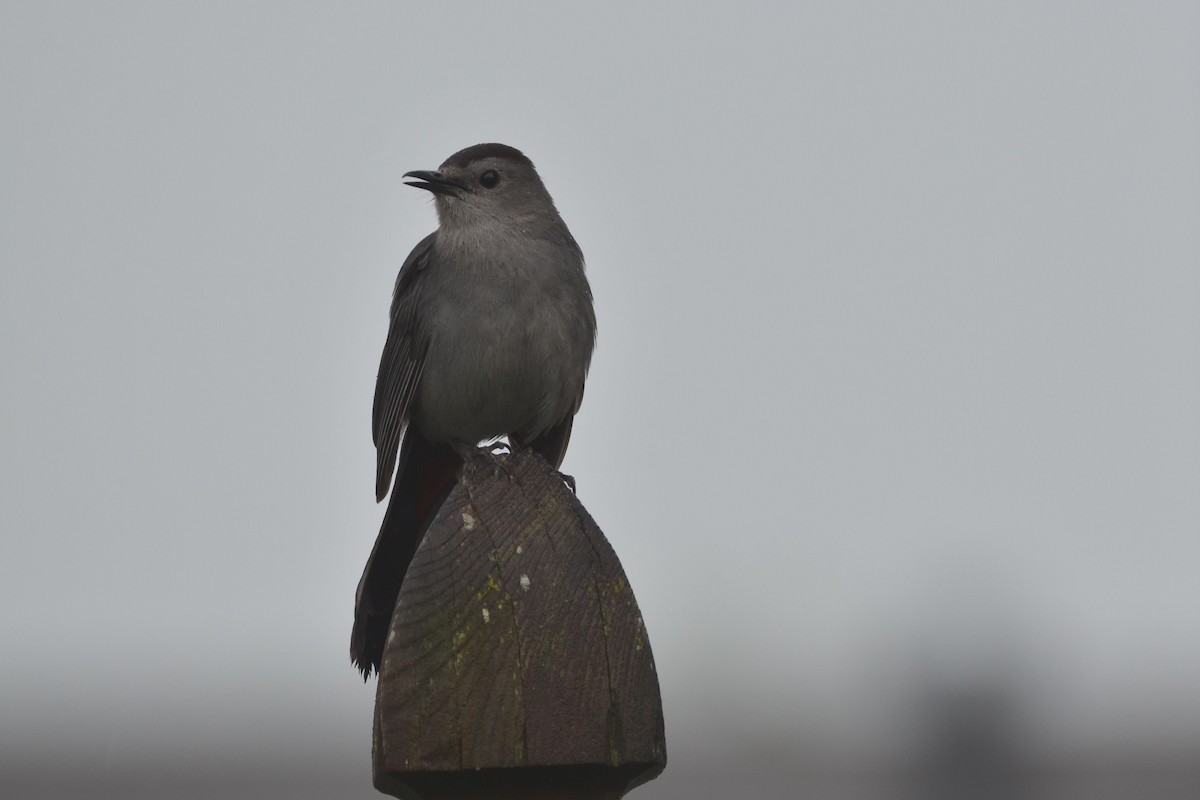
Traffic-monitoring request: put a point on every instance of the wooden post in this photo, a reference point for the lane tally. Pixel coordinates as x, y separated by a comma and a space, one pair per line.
517, 664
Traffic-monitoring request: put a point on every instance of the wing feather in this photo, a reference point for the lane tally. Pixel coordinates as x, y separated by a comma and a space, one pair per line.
399, 367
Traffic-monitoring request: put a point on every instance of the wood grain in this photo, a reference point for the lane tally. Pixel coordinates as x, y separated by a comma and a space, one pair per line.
517, 663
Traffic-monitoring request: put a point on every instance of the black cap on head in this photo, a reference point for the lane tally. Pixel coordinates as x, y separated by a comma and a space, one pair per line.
489, 150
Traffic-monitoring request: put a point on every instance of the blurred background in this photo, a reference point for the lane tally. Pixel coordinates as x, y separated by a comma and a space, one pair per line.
893, 419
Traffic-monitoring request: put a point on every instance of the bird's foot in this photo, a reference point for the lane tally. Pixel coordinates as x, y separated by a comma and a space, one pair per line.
495, 453
500, 447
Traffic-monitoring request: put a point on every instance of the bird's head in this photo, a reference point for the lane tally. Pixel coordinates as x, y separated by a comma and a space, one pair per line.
486, 183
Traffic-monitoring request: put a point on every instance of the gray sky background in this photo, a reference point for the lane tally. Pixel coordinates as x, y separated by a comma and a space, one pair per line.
895, 397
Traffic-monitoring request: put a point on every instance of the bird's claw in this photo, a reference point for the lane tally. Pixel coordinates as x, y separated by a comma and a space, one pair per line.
498, 460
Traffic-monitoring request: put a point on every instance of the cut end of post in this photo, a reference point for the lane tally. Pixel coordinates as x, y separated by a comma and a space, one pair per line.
517, 664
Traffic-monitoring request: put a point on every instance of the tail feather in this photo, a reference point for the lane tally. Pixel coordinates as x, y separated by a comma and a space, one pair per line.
426, 476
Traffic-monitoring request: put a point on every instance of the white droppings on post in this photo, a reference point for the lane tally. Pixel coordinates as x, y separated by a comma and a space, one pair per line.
468, 521
486, 615
520, 549
525, 582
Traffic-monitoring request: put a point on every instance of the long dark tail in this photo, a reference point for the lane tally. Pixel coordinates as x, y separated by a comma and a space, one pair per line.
425, 477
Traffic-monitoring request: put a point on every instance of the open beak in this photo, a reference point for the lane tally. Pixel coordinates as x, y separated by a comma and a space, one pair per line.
435, 182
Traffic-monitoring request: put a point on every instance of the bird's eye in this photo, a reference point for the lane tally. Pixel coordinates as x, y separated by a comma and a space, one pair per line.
489, 179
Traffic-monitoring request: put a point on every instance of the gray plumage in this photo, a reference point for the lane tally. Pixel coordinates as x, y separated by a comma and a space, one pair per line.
491, 334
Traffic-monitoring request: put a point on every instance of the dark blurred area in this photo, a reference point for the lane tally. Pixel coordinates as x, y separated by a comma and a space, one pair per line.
969, 741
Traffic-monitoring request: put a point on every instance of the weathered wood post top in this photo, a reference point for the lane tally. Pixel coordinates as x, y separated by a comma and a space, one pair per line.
517, 664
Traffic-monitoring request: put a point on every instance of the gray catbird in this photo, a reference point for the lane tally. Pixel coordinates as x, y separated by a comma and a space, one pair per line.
491, 334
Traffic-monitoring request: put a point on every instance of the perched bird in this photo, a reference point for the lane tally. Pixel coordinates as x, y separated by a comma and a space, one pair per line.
492, 331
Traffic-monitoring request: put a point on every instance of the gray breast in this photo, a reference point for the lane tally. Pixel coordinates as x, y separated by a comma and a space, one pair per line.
509, 346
